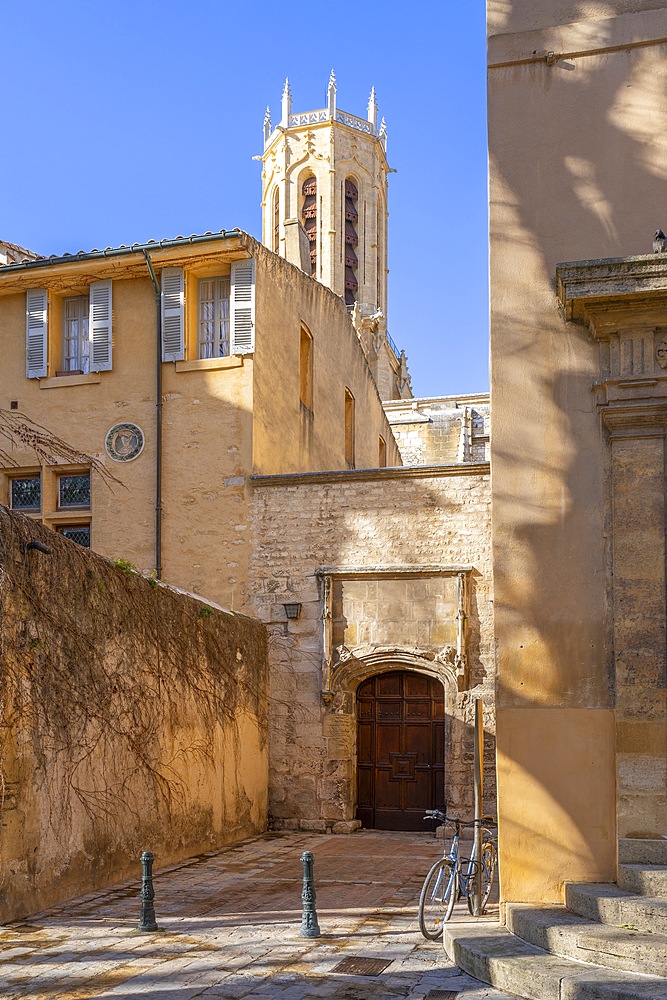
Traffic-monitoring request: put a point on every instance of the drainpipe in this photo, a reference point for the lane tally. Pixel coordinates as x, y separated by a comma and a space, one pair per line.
158, 443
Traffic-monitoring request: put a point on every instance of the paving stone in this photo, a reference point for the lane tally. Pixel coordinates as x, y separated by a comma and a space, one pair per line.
231, 925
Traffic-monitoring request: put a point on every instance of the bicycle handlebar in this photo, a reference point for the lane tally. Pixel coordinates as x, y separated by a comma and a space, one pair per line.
444, 818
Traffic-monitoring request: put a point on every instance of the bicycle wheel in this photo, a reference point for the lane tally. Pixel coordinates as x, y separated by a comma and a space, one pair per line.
488, 875
438, 895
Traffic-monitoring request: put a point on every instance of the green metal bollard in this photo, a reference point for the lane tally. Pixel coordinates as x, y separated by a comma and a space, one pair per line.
147, 920
309, 925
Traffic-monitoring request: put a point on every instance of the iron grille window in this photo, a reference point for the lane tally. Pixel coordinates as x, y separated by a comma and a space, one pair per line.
74, 491
26, 493
79, 533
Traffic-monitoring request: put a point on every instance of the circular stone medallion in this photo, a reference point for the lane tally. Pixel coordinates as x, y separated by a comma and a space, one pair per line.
124, 442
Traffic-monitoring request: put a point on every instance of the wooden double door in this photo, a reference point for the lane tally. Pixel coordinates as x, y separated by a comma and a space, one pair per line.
400, 750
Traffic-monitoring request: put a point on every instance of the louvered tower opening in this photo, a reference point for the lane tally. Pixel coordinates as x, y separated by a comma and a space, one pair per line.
309, 219
351, 242
276, 220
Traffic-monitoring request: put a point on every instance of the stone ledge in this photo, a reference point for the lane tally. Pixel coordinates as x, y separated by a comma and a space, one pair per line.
369, 475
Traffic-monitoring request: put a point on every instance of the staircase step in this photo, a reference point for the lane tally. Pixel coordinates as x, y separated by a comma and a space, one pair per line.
633, 851
643, 879
491, 953
557, 930
611, 905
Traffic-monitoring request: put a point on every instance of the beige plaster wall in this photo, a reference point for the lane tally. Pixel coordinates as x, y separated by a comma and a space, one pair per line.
373, 521
287, 437
577, 171
132, 718
527, 15
222, 418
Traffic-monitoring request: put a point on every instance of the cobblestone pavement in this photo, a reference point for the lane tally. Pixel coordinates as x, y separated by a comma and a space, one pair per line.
230, 925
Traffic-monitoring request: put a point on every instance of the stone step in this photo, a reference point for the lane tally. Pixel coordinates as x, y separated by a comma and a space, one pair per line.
610, 905
633, 851
643, 880
491, 953
557, 930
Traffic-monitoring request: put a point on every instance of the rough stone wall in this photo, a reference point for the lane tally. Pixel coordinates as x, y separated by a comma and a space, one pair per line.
373, 521
132, 717
441, 430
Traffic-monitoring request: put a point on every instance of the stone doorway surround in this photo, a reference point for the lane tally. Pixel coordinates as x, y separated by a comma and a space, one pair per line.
350, 596
623, 302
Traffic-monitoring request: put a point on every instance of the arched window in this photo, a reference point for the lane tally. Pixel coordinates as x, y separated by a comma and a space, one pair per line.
351, 242
276, 220
309, 219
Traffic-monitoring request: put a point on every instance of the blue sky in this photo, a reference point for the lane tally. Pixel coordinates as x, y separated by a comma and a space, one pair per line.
127, 121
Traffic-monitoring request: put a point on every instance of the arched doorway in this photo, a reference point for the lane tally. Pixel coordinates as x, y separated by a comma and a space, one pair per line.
400, 749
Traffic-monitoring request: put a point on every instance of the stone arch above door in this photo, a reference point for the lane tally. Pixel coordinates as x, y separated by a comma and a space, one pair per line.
352, 667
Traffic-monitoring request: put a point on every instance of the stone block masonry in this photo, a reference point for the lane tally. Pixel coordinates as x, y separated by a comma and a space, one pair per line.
131, 717
374, 559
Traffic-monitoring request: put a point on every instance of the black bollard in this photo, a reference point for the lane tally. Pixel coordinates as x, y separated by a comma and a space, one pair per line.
309, 925
147, 921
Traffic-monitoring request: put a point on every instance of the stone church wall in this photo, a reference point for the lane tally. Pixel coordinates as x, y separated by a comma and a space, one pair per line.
391, 541
132, 717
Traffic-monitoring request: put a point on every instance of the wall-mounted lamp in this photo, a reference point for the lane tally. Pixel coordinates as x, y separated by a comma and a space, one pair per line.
292, 610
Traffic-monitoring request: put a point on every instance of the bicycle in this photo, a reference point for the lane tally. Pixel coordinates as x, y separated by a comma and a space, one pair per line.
446, 882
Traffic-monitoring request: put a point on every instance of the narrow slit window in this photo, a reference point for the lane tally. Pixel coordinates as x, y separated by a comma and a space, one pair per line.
382, 453
306, 368
349, 428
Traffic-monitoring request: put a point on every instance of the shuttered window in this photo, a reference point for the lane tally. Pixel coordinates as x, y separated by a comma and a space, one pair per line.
100, 326
36, 330
76, 341
243, 307
213, 318
173, 314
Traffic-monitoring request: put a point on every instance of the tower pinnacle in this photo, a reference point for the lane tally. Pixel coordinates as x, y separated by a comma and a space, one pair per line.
267, 124
373, 109
287, 104
331, 95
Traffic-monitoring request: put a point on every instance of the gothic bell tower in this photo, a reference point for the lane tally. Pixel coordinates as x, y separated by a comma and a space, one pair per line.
324, 208
324, 197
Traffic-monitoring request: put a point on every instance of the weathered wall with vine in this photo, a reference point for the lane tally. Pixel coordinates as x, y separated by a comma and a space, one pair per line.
131, 717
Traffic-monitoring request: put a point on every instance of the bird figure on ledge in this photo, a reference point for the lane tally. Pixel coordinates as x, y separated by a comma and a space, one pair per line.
659, 242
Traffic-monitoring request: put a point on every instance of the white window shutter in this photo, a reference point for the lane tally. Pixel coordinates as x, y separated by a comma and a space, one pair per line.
173, 314
242, 309
99, 326
35, 332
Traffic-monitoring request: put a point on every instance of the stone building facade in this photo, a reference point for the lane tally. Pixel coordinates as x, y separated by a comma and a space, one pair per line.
266, 474
391, 570
579, 488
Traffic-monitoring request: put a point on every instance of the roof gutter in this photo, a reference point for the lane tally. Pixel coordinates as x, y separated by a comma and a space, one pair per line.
123, 251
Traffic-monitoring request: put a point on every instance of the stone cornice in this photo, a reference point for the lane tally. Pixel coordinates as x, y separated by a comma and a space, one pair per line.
373, 475
607, 294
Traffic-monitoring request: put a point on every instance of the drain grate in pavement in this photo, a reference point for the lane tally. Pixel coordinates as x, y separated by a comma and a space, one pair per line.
356, 966
442, 995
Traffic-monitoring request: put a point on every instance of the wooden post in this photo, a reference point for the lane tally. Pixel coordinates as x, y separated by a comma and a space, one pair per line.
479, 796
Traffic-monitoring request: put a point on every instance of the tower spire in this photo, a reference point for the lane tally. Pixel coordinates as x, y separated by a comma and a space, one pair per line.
331, 95
287, 104
373, 109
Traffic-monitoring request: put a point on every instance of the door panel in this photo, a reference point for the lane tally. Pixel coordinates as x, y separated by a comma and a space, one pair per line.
400, 749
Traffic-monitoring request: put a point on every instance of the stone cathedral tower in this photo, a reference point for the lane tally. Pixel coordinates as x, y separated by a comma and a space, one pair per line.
324, 208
